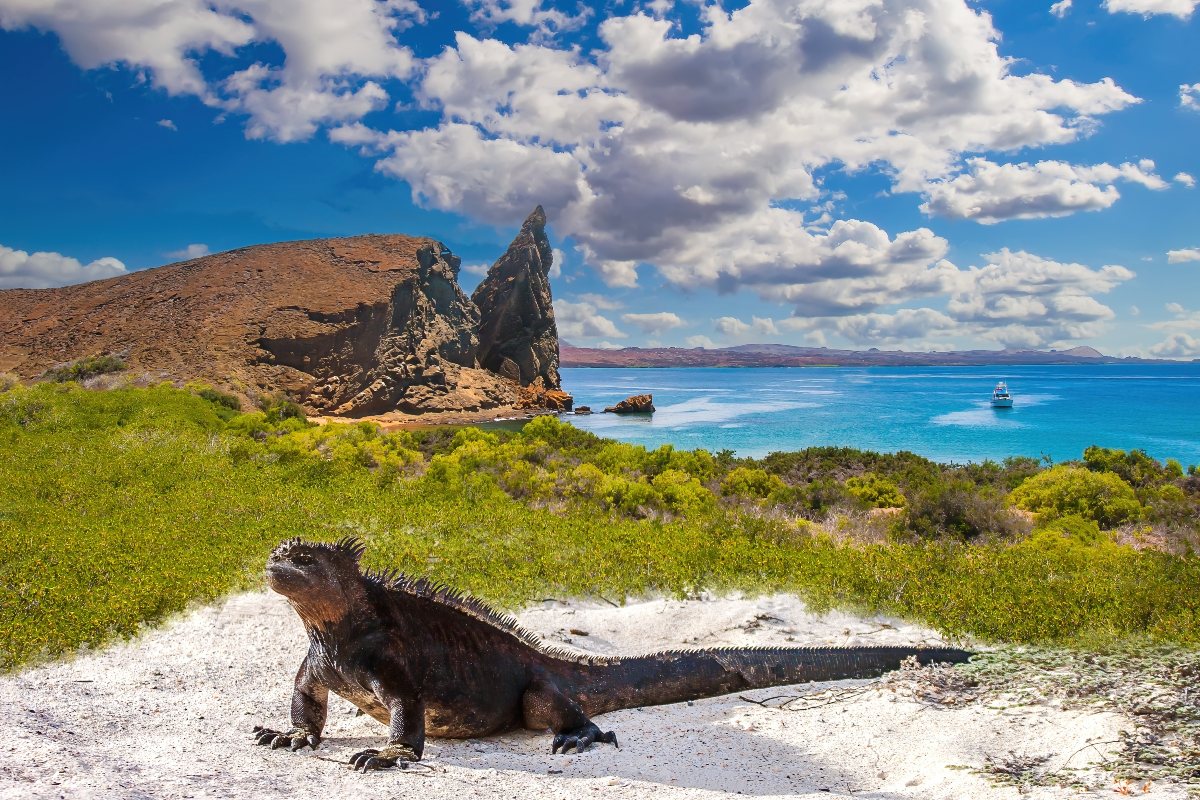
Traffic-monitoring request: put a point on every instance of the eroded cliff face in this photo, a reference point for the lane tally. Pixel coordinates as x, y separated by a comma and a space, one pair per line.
397, 353
518, 338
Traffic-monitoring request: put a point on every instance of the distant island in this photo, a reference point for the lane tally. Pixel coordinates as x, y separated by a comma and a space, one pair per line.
786, 355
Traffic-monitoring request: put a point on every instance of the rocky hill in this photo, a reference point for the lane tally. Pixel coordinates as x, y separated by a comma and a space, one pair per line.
350, 326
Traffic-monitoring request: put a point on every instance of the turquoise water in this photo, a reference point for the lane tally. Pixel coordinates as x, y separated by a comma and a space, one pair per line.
943, 413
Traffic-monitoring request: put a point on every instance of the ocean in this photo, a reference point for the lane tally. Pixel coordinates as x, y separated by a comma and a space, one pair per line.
942, 413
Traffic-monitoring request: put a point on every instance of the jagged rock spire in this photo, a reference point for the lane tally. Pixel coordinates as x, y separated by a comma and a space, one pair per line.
517, 335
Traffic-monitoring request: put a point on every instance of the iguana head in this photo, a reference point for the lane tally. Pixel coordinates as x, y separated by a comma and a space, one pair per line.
321, 581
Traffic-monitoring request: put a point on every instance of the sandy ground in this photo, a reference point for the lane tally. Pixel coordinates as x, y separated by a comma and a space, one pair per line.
169, 716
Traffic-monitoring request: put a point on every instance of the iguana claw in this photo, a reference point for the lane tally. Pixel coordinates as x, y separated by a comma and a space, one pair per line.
581, 738
390, 756
294, 739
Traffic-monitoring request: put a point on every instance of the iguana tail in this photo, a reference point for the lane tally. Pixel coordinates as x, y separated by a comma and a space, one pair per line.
680, 675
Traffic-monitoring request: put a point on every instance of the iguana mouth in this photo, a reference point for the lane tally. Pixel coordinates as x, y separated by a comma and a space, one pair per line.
282, 576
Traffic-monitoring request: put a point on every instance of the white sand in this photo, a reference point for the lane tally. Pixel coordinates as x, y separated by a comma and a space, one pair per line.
169, 716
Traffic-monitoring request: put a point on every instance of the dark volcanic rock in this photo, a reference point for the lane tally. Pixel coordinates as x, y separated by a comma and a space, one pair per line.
517, 335
359, 325
638, 404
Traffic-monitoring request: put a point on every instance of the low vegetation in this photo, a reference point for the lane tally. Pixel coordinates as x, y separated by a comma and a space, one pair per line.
122, 506
85, 368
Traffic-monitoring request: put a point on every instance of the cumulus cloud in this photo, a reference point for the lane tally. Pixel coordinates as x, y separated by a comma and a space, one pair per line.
1015, 299
529, 13
1021, 299
168, 124
189, 252
331, 49
734, 327
656, 322
1189, 96
456, 167
1060, 8
582, 320
23, 270
987, 192
684, 152
1177, 345
1181, 256
1178, 8
700, 341
730, 326
1184, 179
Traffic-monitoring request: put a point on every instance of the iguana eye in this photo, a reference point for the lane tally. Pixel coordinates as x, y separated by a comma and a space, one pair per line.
303, 559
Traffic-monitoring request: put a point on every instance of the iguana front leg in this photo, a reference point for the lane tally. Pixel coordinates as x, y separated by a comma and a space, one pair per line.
310, 705
406, 739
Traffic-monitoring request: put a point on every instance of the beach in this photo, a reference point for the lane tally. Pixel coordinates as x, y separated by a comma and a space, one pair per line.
169, 715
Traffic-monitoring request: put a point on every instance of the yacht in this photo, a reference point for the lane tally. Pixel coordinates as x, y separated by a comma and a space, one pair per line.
1000, 396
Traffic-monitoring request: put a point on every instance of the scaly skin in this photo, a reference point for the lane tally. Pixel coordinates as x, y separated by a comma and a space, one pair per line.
423, 659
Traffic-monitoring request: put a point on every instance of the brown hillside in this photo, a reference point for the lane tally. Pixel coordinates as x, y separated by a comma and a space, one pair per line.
347, 326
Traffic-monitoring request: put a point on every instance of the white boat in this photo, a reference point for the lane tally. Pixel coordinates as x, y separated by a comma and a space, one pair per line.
1000, 396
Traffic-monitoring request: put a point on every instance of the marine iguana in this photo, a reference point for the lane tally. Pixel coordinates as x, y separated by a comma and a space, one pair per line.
423, 658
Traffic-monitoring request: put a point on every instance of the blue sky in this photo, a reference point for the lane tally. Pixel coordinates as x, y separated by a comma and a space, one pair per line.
896, 173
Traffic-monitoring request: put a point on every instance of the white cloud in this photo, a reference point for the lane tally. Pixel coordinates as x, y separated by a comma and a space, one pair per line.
23, 270
330, 50
1178, 8
700, 341
558, 258
1175, 308
1189, 96
989, 193
679, 152
493, 180
529, 13
189, 252
1016, 299
578, 321
1182, 256
476, 269
656, 322
1060, 8
168, 124
1021, 299
600, 301
734, 327
730, 326
1177, 345
1185, 180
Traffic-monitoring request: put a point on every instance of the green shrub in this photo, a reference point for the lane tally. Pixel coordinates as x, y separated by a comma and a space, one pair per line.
1059, 491
682, 493
1070, 531
956, 508
85, 368
223, 399
278, 408
875, 491
755, 484
1134, 467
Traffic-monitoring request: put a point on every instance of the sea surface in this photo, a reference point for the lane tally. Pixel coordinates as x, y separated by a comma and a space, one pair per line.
942, 413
